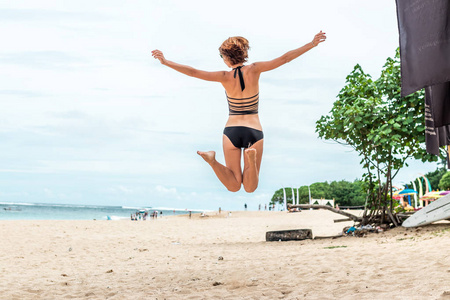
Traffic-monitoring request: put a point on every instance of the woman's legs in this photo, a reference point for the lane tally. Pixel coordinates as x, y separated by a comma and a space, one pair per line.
230, 175
252, 163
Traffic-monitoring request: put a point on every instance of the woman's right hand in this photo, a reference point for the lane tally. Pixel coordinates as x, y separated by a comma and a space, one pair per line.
319, 38
159, 55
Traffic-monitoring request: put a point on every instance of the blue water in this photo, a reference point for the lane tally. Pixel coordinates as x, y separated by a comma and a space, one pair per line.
41, 211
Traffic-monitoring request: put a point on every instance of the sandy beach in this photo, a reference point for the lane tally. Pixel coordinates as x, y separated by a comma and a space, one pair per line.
220, 257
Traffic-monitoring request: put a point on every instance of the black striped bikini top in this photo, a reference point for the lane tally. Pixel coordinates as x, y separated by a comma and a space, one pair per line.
242, 106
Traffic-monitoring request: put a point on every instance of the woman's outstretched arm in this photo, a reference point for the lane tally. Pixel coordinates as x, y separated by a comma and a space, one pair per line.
265, 66
190, 71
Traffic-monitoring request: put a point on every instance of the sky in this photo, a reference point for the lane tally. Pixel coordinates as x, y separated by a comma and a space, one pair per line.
89, 117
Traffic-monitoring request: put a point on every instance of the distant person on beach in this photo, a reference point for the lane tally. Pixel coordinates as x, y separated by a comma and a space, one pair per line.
243, 129
245, 206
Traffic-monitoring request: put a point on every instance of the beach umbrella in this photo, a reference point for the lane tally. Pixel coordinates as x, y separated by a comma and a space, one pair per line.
396, 193
431, 195
407, 192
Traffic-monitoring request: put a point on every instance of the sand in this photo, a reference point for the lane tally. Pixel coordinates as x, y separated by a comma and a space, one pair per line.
180, 258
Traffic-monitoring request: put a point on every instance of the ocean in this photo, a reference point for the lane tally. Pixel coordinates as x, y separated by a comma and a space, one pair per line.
44, 211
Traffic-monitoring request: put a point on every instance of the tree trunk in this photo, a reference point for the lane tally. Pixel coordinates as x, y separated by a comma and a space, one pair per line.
288, 235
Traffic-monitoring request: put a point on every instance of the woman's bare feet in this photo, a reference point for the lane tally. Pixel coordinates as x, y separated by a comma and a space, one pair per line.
209, 156
251, 155
225, 175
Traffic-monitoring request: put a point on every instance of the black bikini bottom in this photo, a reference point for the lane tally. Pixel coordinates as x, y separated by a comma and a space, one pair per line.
243, 137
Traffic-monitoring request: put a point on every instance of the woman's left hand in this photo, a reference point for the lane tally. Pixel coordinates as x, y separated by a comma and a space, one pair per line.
159, 55
319, 38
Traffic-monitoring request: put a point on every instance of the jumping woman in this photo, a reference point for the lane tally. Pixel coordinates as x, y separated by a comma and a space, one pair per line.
243, 129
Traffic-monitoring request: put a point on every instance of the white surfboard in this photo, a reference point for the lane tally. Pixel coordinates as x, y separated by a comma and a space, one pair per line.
435, 211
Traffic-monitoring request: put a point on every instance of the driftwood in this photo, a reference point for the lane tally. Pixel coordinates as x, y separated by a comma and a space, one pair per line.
289, 235
394, 220
403, 216
342, 220
328, 237
352, 207
306, 206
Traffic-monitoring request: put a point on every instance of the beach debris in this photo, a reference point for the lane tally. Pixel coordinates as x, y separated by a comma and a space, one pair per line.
289, 235
110, 271
216, 283
328, 236
70, 249
361, 231
143, 250
350, 230
220, 258
64, 275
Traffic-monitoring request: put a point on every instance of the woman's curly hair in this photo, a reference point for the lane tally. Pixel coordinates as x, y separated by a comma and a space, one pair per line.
235, 49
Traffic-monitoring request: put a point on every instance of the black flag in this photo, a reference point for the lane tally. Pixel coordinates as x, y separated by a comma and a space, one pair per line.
424, 28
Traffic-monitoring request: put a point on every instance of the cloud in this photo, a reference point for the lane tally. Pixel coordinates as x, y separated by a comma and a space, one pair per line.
46, 15
43, 59
121, 189
18, 194
21, 93
166, 191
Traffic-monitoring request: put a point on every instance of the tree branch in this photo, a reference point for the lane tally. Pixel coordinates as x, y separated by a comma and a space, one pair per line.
306, 206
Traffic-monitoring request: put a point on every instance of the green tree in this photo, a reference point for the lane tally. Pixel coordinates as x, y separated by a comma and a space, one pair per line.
320, 190
435, 176
382, 127
278, 196
345, 193
444, 183
348, 193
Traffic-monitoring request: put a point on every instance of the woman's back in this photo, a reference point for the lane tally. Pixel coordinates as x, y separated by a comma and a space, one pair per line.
243, 97
233, 87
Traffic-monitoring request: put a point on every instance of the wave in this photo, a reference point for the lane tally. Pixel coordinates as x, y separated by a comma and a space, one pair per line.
135, 207
81, 206
17, 203
61, 205
182, 209
116, 218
